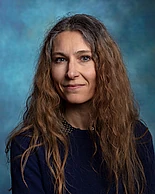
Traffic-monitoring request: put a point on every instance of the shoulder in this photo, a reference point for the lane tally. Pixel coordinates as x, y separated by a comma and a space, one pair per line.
22, 140
145, 151
36, 172
22, 146
144, 143
142, 133
24, 143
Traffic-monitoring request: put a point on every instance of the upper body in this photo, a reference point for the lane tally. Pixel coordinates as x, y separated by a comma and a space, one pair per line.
81, 78
81, 177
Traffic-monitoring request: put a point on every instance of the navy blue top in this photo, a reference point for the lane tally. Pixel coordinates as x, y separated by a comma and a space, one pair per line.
79, 173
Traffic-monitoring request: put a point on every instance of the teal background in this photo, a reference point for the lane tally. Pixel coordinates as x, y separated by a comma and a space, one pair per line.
23, 24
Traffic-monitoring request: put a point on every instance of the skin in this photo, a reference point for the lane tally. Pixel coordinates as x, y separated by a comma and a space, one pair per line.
74, 75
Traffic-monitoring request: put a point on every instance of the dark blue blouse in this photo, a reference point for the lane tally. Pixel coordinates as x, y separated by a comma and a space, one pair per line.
83, 174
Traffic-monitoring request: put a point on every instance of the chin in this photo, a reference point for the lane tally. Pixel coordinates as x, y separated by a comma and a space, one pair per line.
77, 101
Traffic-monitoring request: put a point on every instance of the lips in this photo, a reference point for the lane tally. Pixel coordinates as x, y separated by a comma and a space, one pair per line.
73, 86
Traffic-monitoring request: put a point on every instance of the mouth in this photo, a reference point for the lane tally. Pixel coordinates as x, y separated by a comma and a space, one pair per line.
73, 86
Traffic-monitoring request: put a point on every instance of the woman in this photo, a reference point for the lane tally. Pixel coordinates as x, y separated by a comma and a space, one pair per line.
81, 132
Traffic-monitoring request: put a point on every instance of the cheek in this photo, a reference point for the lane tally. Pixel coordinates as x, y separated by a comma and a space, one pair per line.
93, 78
58, 72
55, 79
94, 82
56, 75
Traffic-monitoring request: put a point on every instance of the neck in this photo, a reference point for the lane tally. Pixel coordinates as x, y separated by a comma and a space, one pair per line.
78, 115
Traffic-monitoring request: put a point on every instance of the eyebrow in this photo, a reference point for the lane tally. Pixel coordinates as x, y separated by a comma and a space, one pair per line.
77, 52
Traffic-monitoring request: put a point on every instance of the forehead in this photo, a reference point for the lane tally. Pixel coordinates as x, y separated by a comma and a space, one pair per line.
70, 40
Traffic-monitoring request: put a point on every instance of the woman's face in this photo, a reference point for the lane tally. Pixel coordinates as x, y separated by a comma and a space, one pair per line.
73, 69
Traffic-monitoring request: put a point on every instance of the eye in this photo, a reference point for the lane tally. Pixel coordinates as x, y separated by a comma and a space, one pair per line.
85, 58
59, 60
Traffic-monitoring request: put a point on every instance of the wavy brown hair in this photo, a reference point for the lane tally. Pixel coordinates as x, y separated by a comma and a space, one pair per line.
113, 109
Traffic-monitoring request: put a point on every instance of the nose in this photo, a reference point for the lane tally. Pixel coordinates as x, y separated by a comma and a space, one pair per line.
72, 71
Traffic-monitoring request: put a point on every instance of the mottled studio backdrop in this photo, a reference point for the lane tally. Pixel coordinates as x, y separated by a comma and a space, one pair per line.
22, 27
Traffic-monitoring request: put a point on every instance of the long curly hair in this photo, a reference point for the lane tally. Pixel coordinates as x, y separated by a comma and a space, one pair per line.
113, 108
